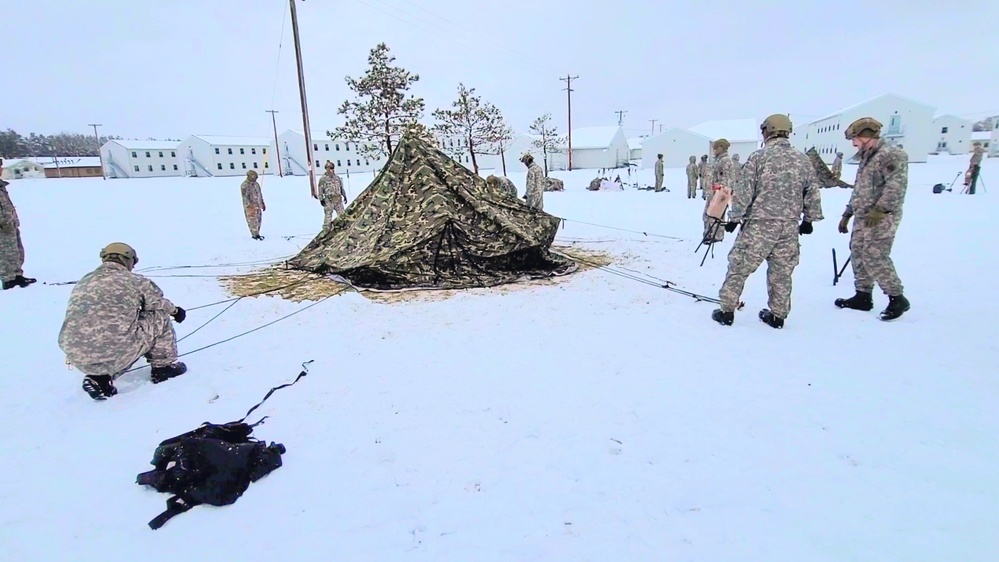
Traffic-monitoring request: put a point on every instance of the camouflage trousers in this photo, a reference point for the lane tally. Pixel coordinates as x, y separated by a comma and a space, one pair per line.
773, 241
11, 253
253, 217
870, 254
328, 210
154, 338
659, 182
706, 189
536, 200
691, 188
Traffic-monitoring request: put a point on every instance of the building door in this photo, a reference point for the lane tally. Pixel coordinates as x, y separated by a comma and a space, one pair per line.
895, 125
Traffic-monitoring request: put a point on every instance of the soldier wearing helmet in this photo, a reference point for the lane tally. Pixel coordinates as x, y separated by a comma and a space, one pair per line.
113, 318
692, 174
724, 174
876, 202
331, 195
253, 203
535, 191
11, 249
777, 189
704, 171
974, 167
837, 166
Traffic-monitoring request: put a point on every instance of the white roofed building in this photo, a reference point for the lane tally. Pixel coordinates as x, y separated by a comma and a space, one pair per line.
635, 148
140, 159
743, 135
73, 167
599, 147
987, 138
953, 134
212, 155
677, 146
22, 168
295, 161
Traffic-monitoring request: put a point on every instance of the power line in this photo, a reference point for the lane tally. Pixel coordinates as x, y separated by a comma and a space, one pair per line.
620, 117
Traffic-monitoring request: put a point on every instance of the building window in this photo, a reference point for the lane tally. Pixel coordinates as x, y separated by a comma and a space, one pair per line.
315, 147
217, 151
161, 154
337, 147
162, 167
267, 165
242, 151
263, 150
232, 166
134, 156
150, 168
943, 131
147, 154
254, 165
220, 165
175, 167
136, 168
327, 147
253, 151
337, 162
346, 146
230, 151
173, 154
366, 163
244, 165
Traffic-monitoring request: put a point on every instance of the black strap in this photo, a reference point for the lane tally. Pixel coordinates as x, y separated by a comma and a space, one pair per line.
304, 372
175, 506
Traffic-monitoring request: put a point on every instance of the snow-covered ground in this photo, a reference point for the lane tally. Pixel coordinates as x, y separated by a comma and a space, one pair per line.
593, 419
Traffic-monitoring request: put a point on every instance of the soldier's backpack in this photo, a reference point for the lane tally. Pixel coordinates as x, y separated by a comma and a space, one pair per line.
212, 464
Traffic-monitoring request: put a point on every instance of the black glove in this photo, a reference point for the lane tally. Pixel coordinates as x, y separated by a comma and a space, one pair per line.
731, 226
805, 228
179, 315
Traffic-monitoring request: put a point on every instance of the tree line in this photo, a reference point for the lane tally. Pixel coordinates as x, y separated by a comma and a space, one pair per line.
383, 110
15, 145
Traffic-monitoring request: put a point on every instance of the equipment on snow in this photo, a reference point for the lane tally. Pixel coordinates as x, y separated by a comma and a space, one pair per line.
213, 464
825, 175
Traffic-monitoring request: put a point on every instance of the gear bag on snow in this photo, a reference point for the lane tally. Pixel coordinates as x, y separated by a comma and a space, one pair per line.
213, 464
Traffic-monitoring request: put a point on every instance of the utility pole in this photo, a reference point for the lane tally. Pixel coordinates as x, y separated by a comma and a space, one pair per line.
620, 117
98, 139
568, 94
660, 128
277, 147
653, 125
305, 105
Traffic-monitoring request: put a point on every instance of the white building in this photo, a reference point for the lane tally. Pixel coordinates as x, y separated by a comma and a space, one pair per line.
22, 168
599, 147
210, 155
140, 159
994, 143
524, 144
676, 146
635, 148
987, 138
456, 147
906, 123
294, 160
953, 135
743, 135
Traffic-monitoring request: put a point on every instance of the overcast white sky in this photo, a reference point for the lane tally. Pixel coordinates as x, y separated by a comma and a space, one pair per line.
155, 68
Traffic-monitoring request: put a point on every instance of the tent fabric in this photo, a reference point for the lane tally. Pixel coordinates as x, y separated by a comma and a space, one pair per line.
428, 222
825, 175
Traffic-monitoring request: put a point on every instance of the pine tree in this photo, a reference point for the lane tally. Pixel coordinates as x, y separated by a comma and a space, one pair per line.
382, 109
501, 141
474, 121
549, 141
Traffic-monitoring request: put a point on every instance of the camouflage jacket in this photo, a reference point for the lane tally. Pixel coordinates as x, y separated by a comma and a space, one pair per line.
252, 196
882, 178
659, 168
8, 214
102, 317
778, 183
725, 172
330, 189
692, 171
535, 186
704, 170
976, 157
507, 184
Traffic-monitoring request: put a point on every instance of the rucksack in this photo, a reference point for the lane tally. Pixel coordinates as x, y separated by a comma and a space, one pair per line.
212, 464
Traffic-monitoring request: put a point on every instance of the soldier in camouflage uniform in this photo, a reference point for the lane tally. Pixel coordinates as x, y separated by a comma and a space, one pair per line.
692, 174
11, 249
331, 195
113, 318
837, 166
535, 191
778, 189
659, 173
704, 171
253, 203
723, 174
876, 202
502, 184
974, 167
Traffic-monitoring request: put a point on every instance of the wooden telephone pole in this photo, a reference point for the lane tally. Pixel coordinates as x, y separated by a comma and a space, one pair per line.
305, 105
99, 155
568, 93
277, 148
620, 117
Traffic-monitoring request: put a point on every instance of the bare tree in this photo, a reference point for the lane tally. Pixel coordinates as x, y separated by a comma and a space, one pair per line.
548, 139
474, 121
381, 110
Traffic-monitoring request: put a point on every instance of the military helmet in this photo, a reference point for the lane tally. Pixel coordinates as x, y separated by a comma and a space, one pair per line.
693, 159
120, 249
776, 123
721, 144
976, 143
863, 127
526, 158
251, 174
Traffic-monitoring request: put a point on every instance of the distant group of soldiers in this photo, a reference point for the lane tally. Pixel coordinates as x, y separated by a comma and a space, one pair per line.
775, 198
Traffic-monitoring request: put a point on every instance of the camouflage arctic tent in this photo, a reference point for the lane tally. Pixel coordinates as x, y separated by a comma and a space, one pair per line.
427, 222
825, 175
